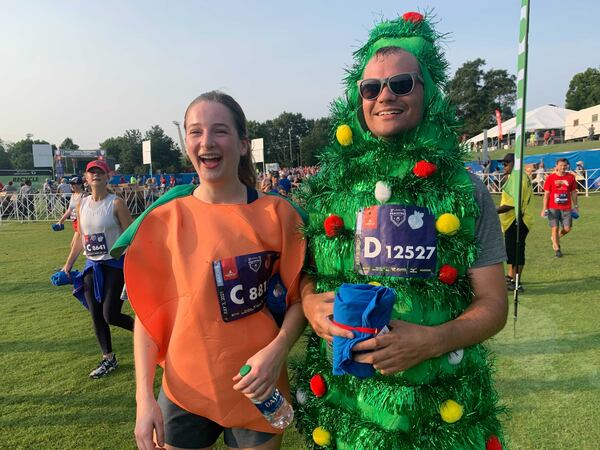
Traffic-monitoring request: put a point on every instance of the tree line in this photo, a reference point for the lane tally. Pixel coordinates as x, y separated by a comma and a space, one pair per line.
292, 140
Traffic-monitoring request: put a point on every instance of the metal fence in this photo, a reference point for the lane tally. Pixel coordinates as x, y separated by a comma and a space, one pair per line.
50, 207
588, 182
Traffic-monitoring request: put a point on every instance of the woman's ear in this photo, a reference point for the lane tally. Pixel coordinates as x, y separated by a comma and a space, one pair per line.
245, 147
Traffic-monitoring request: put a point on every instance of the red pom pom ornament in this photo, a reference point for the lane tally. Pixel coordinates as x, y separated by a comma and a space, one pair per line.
424, 169
493, 443
448, 274
412, 16
317, 385
333, 225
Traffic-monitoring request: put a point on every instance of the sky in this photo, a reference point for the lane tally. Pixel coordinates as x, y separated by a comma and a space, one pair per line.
91, 70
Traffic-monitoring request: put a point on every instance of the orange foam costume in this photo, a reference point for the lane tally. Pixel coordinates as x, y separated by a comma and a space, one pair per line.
172, 289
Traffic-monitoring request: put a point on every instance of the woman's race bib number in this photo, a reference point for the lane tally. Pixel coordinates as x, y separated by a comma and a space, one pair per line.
95, 244
395, 240
242, 283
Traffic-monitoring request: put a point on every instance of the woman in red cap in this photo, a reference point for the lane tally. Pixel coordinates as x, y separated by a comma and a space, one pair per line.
102, 217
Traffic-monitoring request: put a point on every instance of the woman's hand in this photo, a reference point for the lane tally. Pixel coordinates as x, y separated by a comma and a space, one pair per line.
318, 309
67, 269
148, 420
266, 365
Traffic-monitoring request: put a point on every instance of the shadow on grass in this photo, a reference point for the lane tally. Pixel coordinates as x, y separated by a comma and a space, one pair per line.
571, 286
561, 344
47, 345
26, 287
85, 409
519, 388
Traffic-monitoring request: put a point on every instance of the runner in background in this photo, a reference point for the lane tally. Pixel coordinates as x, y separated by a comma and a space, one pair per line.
101, 218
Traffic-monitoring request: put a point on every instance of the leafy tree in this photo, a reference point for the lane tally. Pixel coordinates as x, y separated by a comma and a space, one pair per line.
166, 154
5, 162
127, 151
316, 140
476, 94
21, 153
68, 144
282, 137
584, 90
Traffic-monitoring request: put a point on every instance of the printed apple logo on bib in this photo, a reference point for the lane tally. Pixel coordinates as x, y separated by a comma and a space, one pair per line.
395, 240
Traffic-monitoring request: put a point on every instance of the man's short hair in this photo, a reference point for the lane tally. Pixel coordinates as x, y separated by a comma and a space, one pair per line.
559, 160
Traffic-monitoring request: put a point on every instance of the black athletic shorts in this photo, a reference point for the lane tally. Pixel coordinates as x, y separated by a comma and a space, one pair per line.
184, 429
510, 242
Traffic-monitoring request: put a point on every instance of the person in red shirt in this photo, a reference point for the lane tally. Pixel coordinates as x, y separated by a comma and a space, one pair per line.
560, 200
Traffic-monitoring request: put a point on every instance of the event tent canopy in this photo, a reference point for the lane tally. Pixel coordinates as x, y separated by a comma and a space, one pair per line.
545, 117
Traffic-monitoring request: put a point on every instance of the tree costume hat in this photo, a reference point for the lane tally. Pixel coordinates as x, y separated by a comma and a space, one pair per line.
414, 34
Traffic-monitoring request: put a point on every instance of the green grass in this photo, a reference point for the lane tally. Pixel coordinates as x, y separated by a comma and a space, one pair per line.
549, 375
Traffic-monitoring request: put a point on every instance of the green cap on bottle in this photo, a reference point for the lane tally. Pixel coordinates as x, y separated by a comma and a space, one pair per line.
245, 370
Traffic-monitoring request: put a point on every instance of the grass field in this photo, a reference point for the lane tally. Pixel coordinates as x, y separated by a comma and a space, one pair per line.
548, 375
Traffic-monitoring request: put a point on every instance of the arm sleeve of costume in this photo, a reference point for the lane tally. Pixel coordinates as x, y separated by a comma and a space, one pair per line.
487, 229
149, 275
293, 250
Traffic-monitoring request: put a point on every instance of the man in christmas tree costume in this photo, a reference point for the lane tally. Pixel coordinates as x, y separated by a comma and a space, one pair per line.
393, 206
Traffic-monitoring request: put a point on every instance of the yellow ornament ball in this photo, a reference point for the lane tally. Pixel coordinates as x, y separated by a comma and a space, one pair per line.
343, 134
321, 436
447, 224
451, 411
375, 283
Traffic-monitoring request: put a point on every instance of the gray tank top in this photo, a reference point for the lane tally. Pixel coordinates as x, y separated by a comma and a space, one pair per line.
98, 226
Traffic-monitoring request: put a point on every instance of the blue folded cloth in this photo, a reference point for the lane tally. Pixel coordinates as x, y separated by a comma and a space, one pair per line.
60, 278
359, 306
58, 226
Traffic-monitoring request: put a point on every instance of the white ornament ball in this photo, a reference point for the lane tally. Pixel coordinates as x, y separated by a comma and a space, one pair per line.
456, 356
382, 191
301, 397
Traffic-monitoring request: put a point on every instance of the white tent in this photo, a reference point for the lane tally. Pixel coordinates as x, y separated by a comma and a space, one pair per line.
545, 117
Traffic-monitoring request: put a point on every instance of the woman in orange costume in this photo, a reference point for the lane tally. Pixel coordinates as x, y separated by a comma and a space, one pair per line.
198, 268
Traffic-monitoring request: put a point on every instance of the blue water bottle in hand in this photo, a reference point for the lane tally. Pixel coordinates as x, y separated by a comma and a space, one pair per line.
275, 408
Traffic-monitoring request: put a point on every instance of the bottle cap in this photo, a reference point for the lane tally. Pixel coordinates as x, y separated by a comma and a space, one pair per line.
245, 370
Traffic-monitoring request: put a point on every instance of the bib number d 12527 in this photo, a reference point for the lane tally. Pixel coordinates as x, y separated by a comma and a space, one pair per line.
242, 283
395, 240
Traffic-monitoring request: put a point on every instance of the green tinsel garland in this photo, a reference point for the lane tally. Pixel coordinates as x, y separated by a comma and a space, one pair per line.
400, 411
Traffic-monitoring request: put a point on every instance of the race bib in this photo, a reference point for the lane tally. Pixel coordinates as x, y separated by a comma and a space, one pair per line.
242, 283
95, 244
561, 198
395, 240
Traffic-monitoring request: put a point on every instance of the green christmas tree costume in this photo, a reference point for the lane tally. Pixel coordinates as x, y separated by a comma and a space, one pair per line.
443, 403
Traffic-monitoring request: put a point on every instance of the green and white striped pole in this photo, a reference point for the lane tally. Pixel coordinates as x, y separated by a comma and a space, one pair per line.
516, 178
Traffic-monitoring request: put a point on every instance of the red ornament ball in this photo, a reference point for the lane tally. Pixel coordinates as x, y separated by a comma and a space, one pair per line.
448, 274
412, 16
493, 443
424, 169
317, 385
333, 225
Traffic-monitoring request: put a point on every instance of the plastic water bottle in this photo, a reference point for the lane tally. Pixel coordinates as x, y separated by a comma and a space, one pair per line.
275, 408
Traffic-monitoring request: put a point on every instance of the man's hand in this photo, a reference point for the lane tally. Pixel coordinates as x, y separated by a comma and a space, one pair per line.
405, 346
318, 308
